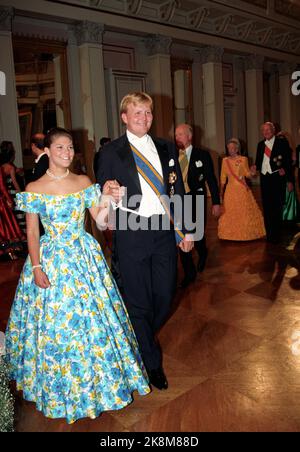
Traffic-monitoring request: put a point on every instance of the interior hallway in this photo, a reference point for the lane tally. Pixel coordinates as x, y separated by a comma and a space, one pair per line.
231, 349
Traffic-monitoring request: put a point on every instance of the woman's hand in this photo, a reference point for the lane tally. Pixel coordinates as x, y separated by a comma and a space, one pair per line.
253, 170
10, 203
112, 188
41, 279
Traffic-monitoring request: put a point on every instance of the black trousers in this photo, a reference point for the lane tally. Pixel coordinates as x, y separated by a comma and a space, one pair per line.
187, 258
200, 246
148, 267
273, 189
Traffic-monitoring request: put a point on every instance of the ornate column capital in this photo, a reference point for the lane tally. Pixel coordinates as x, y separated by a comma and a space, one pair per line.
196, 54
86, 33
254, 62
157, 44
239, 63
211, 54
6, 18
286, 68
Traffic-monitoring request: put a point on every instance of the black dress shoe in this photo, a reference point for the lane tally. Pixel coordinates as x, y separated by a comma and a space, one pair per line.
157, 378
273, 240
186, 282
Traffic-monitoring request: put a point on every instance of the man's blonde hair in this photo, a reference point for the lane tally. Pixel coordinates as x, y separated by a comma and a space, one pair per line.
135, 98
269, 124
187, 127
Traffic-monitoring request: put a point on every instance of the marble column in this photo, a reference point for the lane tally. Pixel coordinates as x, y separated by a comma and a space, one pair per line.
160, 81
240, 110
60, 120
9, 118
197, 75
254, 102
180, 96
274, 94
288, 110
74, 79
213, 102
89, 38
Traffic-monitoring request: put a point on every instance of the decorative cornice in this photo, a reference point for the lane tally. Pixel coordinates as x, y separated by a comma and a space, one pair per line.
273, 24
133, 6
212, 54
167, 9
222, 24
196, 17
95, 3
245, 29
87, 33
6, 17
156, 44
286, 68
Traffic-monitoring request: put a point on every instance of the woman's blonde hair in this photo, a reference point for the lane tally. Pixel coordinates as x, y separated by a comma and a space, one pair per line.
135, 98
236, 142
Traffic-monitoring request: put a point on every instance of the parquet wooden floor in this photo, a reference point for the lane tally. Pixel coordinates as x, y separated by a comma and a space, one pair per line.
231, 349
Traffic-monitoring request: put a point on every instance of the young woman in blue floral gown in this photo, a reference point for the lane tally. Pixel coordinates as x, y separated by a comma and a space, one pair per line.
70, 345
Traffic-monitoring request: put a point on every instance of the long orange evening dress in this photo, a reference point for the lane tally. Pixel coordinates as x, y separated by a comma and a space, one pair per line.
241, 218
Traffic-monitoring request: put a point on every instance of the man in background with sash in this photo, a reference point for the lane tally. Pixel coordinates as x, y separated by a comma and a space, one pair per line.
273, 161
197, 168
147, 258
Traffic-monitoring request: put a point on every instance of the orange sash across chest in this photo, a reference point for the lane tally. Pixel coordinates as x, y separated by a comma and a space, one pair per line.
241, 181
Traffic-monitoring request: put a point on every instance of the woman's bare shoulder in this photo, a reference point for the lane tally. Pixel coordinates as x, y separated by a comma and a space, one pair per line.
83, 181
36, 186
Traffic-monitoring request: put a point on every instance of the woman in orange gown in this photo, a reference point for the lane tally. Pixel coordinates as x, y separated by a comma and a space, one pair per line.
241, 218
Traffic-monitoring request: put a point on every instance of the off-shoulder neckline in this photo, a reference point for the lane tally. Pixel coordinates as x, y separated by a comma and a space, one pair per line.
67, 194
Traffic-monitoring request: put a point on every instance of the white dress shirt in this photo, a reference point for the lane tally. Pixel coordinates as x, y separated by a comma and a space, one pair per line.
39, 157
188, 152
266, 167
150, 204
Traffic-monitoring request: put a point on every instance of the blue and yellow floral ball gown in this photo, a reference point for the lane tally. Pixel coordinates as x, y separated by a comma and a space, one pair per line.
71, 348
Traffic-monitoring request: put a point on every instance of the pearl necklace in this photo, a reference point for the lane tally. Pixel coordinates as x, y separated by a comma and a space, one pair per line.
57, 177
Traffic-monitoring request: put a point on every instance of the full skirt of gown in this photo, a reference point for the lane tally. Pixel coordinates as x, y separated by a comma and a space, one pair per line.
241, 218
71, 348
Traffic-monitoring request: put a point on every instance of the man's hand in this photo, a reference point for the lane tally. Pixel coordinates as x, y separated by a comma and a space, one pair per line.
112, 188
253, 170
187, 244
216, 210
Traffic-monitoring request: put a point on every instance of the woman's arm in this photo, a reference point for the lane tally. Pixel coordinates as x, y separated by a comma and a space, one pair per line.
33, 239
12, 173
111, 192
247, 171
4, 191
223, 179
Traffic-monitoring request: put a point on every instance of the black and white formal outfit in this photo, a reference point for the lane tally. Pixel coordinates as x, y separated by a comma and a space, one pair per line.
41, 164
272, 156
147, 259
197, 169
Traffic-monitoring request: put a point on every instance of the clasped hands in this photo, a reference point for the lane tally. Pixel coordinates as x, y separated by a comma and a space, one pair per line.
113, 189
281, 171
